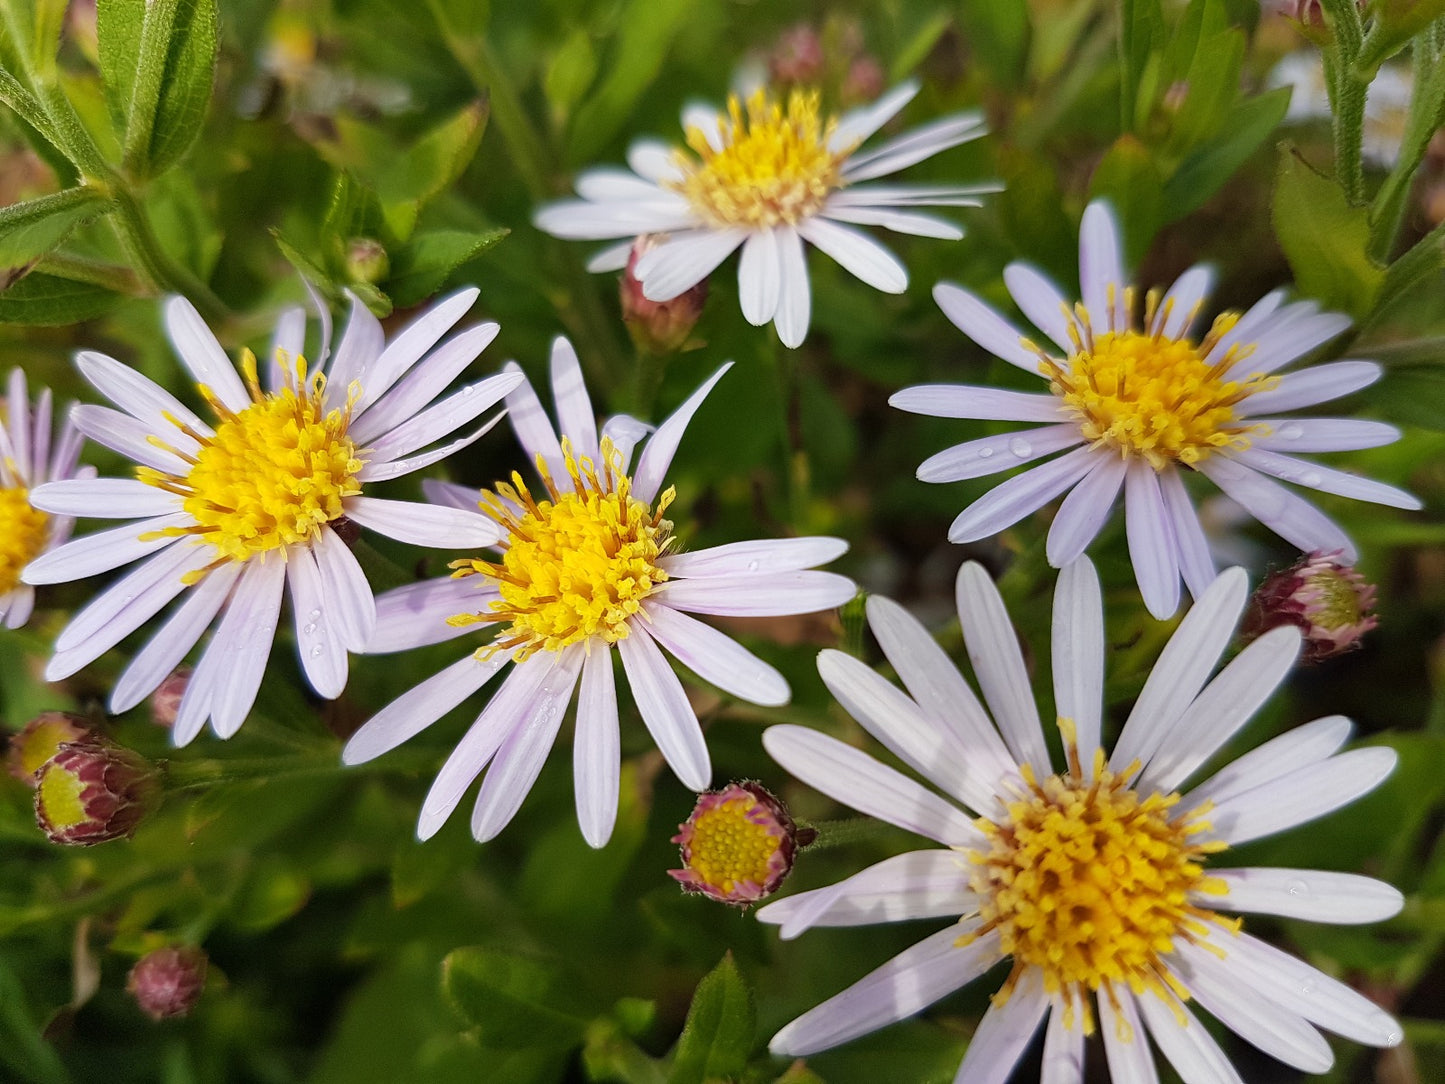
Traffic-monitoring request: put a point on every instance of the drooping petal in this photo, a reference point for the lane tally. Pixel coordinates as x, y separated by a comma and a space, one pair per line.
1078, 649
1004, 1032
1151, 540
656, 457
202, 354
665, 709
597, 752
419, 707
795, 303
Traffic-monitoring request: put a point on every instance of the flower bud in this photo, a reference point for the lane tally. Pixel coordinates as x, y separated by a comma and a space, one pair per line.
167, 982
90, 792
41, 739
1326, 599
738, 845
798, 57
366, 260
658, 327
166, 700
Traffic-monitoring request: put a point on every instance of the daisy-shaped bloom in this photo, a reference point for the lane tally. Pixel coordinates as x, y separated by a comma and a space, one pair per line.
767, 175
1102, 881
240, 510
1136, 404
588, 563
27, 460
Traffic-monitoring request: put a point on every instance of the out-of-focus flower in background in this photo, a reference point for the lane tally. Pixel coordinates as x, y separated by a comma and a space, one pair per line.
41, 738
167, 982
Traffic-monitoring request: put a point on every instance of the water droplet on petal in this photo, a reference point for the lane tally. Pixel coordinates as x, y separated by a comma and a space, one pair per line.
315, 651
309, 629
468, 390
1311, 479
1291, 431
315, 615
1020, 447
1297, 888
985, 453
752, 566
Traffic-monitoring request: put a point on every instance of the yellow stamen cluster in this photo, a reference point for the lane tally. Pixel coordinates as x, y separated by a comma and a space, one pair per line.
23, 531
577, 564
774, 165
271, 475
731, 847
1090, 881
1146, 394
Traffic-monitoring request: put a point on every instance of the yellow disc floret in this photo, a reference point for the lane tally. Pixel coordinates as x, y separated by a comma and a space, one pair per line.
1145, 393
1091, 881
771, 166
23, 531
577, 564
732, 849
272, 474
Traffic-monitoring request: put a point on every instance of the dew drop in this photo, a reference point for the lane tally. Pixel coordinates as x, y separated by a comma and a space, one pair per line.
315, 651
1307, 988
309, 629
985, 453
1020, 447
316, 615
1291, 431
1394, 1038
468, 390
1311, 479
1297, 889
752, 566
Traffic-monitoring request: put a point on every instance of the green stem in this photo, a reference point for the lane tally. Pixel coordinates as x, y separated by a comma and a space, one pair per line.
647, 373
844, 833
197, 774
1347, 95
78, 269
153, 264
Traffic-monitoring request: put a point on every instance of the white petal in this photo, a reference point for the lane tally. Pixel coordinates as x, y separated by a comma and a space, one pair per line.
795, 303
416, 615
18, 419
982, 404
319, 645
857, 253
1151, 540
611, 258
569, 391
377, 471
858, 124
683, 260
423, 524
1125, 1045
654, 160
1282, 343
910, 195
597, 752
532, 426
104, 498
1011, 501
1188, 1046
419, 707
17, 606
288, 342
1085, 510
1063, 1047
1313, 895
443, 418
242, 643
760, 277
519, 761
763, 556
909, 222
410, 345
348, 596
1180, 307
137, 395
1004, 1033
665, 709
1182, 667
1222, 709
1308, 744
624, 432
1078, 653
361, 344
1195, 561
127, 435
1101, 268
914, 146
985, 456
450, 494
609, 183
426, 381
1042, 302
978, 320
1326, 479
854, 778
657, 455
202, 354
583, 220
918, 884
716, 658
1322, 434
101, 551
1302, 795
911, 981
755, 595
40, 434
1317, 384
1294, 519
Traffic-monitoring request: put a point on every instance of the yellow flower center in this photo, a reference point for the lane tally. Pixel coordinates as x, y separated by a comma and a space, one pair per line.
577, 564
62, 795
729, 848
271, 475
1338, 604
1090, 881
1147, 394
23, 531
774, 166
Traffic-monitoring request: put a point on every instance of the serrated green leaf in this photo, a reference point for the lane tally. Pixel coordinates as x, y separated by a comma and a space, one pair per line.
1128, 177
29, 230
43, 300
718, 1035
420, 266
1324, 238
118, 26
1206, 170
427, 168
513, 1001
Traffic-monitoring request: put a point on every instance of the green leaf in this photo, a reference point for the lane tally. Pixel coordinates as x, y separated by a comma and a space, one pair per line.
420, 266
1213, 82
1413, 396
718, 1035
426, 169
47, 300
1324, 238
513, 1001
22, 1049
31, 229
1141, 27
573, 67
999, 34
1205, 171
1129, 178
158, 61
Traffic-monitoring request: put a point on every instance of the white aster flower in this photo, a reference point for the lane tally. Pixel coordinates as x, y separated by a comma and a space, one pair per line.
27, 460
1134, 406
766, 178
586, 566
241, 510
1092, 879
1387, 101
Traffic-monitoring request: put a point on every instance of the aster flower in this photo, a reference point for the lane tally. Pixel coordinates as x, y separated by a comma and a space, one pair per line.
239, 511
588, 564
738, 844
767, 176
28, 460
1135, 405
1091, 878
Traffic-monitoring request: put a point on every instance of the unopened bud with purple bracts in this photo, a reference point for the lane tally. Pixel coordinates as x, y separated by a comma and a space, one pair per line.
167, 982
1326, 599
41, 739
738, 846
89, 793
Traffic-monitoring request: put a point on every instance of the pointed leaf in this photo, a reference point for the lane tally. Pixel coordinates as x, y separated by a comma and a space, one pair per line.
512, 1000
718, 1036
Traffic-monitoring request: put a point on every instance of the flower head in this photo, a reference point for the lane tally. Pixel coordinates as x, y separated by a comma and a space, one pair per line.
1136, 404
167, 982
41, 738
27, 460
657, 327
766, 175
234, 512
92, 792
1100, 880
1326, 599
738, 844
588, 563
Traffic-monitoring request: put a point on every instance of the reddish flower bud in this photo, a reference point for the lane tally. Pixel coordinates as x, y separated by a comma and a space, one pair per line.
658, 327
798, 57
738, 845
1326, 599
90, 793
41, 739
166, 700
168, 981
